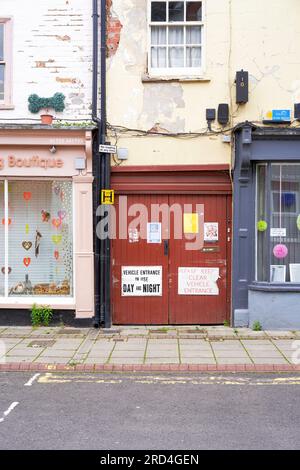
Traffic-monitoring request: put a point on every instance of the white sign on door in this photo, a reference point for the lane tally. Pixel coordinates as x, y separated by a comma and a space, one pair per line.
198, 281
141, 281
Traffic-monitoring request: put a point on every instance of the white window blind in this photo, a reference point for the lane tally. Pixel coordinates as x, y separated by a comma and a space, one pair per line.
40, 248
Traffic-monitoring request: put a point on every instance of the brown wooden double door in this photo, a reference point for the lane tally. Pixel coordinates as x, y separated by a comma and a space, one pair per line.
188, 286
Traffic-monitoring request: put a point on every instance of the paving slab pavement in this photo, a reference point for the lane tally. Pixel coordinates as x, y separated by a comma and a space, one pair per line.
207, 346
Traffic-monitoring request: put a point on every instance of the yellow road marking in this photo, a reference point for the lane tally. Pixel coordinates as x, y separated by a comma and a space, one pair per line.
52, 378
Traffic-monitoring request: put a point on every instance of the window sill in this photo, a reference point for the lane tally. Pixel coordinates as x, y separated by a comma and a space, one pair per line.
7, 106
163, 79
274, 287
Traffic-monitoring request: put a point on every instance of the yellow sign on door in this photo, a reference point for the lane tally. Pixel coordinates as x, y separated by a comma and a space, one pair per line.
107, 196
191, 223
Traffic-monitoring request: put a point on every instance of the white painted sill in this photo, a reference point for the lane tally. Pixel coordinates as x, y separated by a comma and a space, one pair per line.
183, 79
7, 106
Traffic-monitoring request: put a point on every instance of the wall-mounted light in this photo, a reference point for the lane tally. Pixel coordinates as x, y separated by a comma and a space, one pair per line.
53, 149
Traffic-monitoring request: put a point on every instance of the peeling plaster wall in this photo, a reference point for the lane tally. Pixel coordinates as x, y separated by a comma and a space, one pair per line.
256, 36
52, 52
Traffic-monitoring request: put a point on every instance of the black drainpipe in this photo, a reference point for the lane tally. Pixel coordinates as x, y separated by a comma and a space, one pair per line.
101, 169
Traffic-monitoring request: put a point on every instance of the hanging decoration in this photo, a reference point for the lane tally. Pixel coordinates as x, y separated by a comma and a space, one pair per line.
280, 251
27, 196
56, 254
61, 214
56, 223
262, 225
8, 221
298, 222
27, 229
57, 190
45, 216
26, 245
27, 262
56, 239
3, 270
37, 243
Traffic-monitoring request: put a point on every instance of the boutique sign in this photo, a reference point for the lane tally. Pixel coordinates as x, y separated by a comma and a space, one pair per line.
23, 162
12, 161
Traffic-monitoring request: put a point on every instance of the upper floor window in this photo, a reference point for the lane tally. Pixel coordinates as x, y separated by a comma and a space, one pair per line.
176, 37
5, 61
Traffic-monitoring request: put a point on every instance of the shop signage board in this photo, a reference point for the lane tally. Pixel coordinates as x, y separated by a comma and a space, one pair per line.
141, 281
198, 281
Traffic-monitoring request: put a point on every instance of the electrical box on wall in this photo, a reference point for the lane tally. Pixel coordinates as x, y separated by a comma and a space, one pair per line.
223, 114
297, 111
242, 87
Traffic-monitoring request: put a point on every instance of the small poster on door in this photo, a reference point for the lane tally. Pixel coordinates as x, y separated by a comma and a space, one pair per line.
198, 281
141, 281
211, 231
154, 232
278, 232
191, 223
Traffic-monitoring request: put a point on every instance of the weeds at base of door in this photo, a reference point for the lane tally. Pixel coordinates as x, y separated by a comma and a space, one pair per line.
256, 326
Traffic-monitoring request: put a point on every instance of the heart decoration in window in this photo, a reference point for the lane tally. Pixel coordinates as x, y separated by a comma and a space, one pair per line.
61, 214
56, 239
8, 221
56, 223
3, 270
27, 262
26, 245
27, 196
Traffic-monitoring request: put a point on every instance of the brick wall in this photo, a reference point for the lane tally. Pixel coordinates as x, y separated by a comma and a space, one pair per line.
114, 28
52, 52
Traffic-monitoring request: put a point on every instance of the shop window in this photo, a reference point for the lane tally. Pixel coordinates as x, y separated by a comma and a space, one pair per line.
176, 37
278, 223
2, 239
39, 247
5, 61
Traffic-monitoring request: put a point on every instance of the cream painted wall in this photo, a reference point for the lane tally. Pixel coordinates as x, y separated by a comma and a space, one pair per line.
261, 37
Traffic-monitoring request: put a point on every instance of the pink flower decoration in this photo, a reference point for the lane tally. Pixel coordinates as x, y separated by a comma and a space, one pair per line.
280, 251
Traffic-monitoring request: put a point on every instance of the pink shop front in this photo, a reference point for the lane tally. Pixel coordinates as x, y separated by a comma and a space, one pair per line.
46, 219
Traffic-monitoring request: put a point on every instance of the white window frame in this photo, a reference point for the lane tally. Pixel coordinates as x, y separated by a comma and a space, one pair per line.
7, 22
178, 71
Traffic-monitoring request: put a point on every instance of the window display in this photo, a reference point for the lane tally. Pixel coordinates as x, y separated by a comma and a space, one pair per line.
277, 216
40, 245
2, 239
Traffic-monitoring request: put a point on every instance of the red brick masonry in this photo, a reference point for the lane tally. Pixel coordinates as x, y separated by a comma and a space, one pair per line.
24, 367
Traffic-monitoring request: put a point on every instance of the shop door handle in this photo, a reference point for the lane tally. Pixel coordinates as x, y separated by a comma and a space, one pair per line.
166, 247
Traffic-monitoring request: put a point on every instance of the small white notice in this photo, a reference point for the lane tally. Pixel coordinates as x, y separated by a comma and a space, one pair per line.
154, 232
141, 281
211, 231
278, 232
198, 281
